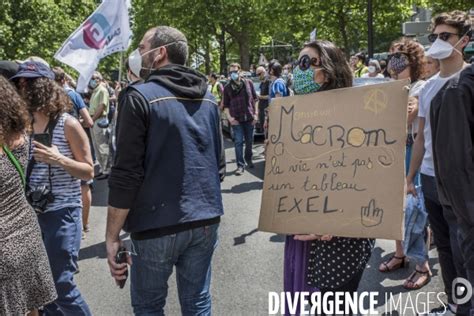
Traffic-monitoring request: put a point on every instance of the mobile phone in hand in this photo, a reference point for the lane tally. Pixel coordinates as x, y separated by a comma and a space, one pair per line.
121, 257
42, 138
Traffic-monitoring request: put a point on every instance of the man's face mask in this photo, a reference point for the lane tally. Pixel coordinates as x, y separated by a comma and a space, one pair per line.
441, 48
135, 60
234, 75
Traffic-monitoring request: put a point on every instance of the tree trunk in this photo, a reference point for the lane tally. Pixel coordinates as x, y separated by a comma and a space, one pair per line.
343, 31
207, 58
244, 50
222, 52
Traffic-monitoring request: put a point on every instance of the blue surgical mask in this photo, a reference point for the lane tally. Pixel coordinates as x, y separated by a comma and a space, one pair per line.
234, 76
303, 81
93, 84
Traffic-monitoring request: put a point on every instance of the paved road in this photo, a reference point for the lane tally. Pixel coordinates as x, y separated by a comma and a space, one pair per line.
247, 263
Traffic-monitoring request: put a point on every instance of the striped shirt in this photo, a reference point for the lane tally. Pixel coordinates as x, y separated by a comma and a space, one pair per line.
66, 189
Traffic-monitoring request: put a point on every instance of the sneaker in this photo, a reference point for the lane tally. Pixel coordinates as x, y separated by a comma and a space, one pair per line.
239, 171
250, 165
102, 176
443, 310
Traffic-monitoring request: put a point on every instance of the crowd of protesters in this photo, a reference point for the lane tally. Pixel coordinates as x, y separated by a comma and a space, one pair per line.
158, 139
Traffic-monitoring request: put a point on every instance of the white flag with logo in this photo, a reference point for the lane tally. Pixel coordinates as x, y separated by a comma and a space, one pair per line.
262, 60
105, 32
313, 35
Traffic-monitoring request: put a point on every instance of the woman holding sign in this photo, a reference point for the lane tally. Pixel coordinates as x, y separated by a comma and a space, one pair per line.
406, 61
312, 261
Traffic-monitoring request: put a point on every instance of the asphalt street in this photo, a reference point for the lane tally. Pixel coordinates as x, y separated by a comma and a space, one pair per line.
247, 264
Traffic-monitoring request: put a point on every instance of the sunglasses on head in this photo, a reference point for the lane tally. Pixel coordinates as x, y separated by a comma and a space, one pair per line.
305, 62
397, 55
444, 36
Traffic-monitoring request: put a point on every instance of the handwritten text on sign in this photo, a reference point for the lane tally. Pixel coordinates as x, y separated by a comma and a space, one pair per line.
335, 163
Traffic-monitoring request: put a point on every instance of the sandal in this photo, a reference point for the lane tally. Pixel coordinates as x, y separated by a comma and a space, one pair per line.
403, 264
417, 286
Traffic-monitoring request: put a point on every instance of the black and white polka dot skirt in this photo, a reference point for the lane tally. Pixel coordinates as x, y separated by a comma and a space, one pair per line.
334, 263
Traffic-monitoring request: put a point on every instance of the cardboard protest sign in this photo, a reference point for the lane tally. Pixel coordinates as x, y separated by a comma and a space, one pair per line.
335, 163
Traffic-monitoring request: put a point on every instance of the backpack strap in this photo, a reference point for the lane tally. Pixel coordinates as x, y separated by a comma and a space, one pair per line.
16, 163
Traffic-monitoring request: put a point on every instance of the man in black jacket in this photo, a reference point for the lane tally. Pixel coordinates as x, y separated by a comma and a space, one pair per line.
450, 35
165, 182
452, 126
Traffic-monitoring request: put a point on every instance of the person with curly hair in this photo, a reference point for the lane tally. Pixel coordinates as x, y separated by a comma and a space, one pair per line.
406, 61
26, 282
59, 161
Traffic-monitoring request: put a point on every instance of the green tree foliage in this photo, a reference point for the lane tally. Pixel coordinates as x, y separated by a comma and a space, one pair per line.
218, 31
39, 27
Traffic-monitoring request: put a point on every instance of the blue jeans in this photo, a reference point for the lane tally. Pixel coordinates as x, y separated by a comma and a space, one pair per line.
243, 131
409, 149
62, 232
191, 252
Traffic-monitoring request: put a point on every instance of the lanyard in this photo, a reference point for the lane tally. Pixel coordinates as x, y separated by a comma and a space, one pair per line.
16, 163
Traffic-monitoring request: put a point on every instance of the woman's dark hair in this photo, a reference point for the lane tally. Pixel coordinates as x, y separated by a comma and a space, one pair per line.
415, 53
214, 76
45, 96
14, 118
275, 68
333, 62
361, 57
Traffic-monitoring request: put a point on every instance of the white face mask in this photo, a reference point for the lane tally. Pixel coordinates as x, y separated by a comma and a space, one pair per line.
371, 69
135, 60
442, 49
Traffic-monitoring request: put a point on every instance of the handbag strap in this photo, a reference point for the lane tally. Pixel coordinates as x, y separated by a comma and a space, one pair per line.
16, 163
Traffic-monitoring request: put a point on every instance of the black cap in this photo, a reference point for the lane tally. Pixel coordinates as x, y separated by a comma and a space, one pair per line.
8, 68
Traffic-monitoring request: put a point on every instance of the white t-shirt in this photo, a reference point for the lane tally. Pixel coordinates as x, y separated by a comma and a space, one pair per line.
428, 92
415, 90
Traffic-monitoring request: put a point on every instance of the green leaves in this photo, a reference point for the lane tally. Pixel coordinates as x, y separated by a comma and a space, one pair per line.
217, 30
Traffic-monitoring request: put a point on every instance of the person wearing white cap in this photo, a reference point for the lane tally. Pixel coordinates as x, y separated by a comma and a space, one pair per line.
35, 59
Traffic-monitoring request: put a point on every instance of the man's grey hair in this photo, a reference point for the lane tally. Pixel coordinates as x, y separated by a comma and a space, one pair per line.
178, 44
376, 63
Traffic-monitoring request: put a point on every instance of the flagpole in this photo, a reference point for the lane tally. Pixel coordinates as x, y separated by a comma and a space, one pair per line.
120, 68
